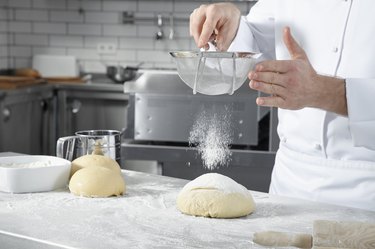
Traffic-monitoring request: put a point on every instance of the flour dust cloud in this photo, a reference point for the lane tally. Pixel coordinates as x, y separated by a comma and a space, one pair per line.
212, 135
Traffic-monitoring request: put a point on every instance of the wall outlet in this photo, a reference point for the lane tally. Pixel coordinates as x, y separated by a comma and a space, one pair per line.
106, 48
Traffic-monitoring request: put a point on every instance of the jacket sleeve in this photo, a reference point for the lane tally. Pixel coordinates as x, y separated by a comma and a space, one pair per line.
360, 96
256, 32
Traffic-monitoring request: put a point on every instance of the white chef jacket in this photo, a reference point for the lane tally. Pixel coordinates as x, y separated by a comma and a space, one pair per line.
322, 156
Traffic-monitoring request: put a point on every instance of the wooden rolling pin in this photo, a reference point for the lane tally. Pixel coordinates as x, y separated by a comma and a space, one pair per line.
326, 235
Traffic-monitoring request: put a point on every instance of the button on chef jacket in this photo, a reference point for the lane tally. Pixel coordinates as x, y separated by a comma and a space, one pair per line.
322, 156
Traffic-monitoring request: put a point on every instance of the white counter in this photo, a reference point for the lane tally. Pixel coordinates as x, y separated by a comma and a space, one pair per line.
146, 217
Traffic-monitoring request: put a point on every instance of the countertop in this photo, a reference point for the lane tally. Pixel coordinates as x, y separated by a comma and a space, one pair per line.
146, 217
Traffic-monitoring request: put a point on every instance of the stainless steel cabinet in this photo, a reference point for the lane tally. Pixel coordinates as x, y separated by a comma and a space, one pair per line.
27, 120
91, 108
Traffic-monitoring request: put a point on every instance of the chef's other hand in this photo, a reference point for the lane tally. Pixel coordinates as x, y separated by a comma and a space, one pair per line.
215, 22
294, 84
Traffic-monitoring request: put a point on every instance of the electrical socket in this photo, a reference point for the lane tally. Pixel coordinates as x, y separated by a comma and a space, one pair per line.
106, 48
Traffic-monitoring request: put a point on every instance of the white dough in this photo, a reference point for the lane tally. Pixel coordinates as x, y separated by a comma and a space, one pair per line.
215, 195
94, 161
97, 182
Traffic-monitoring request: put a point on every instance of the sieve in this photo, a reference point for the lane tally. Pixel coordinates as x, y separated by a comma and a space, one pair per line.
214, 72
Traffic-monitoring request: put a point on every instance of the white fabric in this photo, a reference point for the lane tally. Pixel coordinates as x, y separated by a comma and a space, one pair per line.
338, 38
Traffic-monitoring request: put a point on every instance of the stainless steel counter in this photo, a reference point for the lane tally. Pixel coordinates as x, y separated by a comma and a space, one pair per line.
146, 217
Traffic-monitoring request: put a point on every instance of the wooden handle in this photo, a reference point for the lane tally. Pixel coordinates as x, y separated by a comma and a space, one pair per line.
335, 234
272, 238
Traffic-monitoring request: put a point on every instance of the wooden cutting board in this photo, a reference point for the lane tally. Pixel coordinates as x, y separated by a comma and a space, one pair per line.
13, 82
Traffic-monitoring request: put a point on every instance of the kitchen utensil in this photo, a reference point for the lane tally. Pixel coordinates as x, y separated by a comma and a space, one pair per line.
100, 142
56, 65
21, 174
326, 234
213, 72
120, 74
160, 34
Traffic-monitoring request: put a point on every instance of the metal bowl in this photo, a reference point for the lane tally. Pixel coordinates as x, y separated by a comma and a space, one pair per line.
213, 72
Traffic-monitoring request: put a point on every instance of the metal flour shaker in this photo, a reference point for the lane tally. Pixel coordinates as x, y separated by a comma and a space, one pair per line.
97, 142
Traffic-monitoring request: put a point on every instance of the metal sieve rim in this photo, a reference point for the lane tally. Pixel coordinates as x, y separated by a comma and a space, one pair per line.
213, 54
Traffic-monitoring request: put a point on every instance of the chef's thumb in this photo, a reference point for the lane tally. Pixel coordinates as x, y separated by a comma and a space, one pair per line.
295, 51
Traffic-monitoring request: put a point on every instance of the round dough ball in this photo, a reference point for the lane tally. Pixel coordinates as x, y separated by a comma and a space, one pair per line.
216, 196
94, 161
97, 182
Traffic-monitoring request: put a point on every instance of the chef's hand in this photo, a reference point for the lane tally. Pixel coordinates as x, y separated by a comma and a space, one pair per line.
215, 22
294, 84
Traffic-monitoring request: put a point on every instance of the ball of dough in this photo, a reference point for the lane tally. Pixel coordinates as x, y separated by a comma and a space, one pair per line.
216, 196
97, 182
94, 161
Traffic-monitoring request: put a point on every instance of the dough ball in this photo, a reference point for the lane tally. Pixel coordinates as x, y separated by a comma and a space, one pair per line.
216, 196
97, 182
94, 161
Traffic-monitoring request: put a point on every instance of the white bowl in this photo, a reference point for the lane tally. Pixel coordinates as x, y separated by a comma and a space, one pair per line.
23, 174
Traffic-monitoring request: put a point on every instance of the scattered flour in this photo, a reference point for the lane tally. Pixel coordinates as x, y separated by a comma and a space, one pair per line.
212, 135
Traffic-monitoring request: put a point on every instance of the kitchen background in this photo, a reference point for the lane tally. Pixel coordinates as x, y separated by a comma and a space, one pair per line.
77, 27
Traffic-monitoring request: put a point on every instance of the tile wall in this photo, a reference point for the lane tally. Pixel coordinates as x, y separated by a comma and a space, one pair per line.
77, 27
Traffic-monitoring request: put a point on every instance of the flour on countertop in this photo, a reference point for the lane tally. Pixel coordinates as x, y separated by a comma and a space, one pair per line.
212, 135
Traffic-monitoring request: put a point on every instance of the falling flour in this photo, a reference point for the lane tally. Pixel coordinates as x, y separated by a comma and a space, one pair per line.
212, 135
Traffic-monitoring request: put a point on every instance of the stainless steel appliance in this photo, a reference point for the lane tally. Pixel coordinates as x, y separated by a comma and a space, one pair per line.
160, 115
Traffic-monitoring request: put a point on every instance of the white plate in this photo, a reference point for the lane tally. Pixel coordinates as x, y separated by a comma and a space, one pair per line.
38, 178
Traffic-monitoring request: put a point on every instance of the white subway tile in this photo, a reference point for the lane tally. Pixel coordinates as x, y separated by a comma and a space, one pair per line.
153, 56
155, 6
148, 31
93, 41
187, 7
22, 62
85, 5
19, 51
49, 28
121, 55
120, 5
4, 63
29, 39
3, 51
102, 17
84, 29
24, 27
136, 43
49, 4
66, 41
19, 3
31, 15
84, 54
182, 31
48, 50
119, 30
66, 16
3, 27
3, 39
3, 14
175, 44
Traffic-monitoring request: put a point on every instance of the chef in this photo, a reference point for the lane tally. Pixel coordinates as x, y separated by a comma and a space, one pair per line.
318, 68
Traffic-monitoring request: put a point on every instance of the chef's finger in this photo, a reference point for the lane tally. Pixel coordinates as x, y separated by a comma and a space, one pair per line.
208, 29
271, 101
197, 18
295, 50
269, 77
268, 88
281, 66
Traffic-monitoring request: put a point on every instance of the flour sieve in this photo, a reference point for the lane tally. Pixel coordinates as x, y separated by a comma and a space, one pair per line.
213, 72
